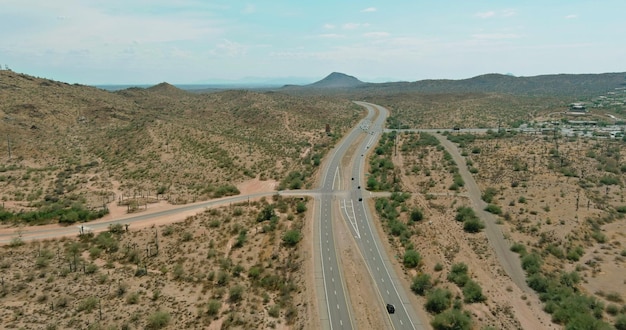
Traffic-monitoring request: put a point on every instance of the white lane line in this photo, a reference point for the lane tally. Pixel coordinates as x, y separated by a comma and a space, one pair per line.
351, 219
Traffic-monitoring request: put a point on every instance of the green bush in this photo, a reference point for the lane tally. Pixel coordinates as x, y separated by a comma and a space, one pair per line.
620, 322
518, 248
438, 300
488, 194
452, 319
421, 284
472, 292
473, 225
292, 237
411, 259
416, 215
494, 209
458, 274
301, 207
235, 293
87, 304
531, 263
213, 307
158, 320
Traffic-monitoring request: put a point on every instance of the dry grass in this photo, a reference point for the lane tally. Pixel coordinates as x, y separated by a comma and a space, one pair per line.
219, 269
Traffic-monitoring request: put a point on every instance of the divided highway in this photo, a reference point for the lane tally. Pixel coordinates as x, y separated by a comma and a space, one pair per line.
335, 201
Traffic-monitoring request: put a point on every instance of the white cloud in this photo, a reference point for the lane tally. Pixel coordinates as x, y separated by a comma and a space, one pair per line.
486, 14
495, 36
354, 26
249, 9
571, 16
376, 34
229, 48
369, 10
329, 26
492, 13
331, 36
509, 12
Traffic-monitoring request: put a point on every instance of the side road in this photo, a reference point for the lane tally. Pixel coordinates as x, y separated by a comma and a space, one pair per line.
509, 261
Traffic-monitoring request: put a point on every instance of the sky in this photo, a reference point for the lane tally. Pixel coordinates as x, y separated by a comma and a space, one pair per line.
209, 41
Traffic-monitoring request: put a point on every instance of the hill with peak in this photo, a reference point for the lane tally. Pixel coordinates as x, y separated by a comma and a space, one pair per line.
579, 85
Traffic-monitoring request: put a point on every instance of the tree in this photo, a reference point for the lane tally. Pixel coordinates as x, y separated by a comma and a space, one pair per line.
301, 207
421, 284
438, 300
292, 237
472, 292
453, 319
411, 259
266, 214
417, 215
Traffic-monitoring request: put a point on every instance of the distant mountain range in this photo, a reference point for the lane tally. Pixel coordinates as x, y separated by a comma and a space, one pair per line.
560, 84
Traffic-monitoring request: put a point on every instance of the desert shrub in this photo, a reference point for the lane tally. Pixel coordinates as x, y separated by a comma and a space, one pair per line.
464, 213
555, 251
88, 304
473, 225
472, 292
301, 207
488, 194
274, 311
267, 213
458, 274
612, 309
609, 180
438, 267
574, 254
132, 298
452, 319
292, 237
438, 300
416, 215
493, 208
518, 248
91, 268
158, 320
241, 239
531, 263
213, 307
621, 209
178, 271
254, 272
235, 293
187, 236
614, 297
421, 284
411, 259
620, 322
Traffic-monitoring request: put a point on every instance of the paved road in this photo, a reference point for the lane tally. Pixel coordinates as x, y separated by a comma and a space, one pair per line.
388, 286
335, 303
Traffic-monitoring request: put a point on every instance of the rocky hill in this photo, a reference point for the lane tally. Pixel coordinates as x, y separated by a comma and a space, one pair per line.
73, 144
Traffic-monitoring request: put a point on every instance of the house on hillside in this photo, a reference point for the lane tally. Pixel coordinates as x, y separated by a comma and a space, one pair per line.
577, 109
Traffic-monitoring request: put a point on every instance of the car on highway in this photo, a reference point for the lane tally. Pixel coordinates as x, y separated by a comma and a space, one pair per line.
391, 309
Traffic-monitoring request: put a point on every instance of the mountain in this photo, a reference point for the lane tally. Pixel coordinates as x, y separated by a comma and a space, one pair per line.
336, 80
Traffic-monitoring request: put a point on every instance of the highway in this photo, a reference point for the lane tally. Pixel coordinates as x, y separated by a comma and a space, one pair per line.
389, 288
337, 195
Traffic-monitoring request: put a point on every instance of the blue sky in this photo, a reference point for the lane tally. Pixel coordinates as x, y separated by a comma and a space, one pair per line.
192, 41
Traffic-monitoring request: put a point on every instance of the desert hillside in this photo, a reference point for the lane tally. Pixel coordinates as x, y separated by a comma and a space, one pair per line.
78, 147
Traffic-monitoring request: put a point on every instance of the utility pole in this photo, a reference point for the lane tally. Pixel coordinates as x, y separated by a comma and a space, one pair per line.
9, 145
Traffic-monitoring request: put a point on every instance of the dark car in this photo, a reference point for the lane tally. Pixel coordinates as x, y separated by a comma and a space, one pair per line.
391, 309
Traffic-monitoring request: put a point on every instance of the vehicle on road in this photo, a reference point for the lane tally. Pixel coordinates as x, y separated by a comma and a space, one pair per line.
391, 309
